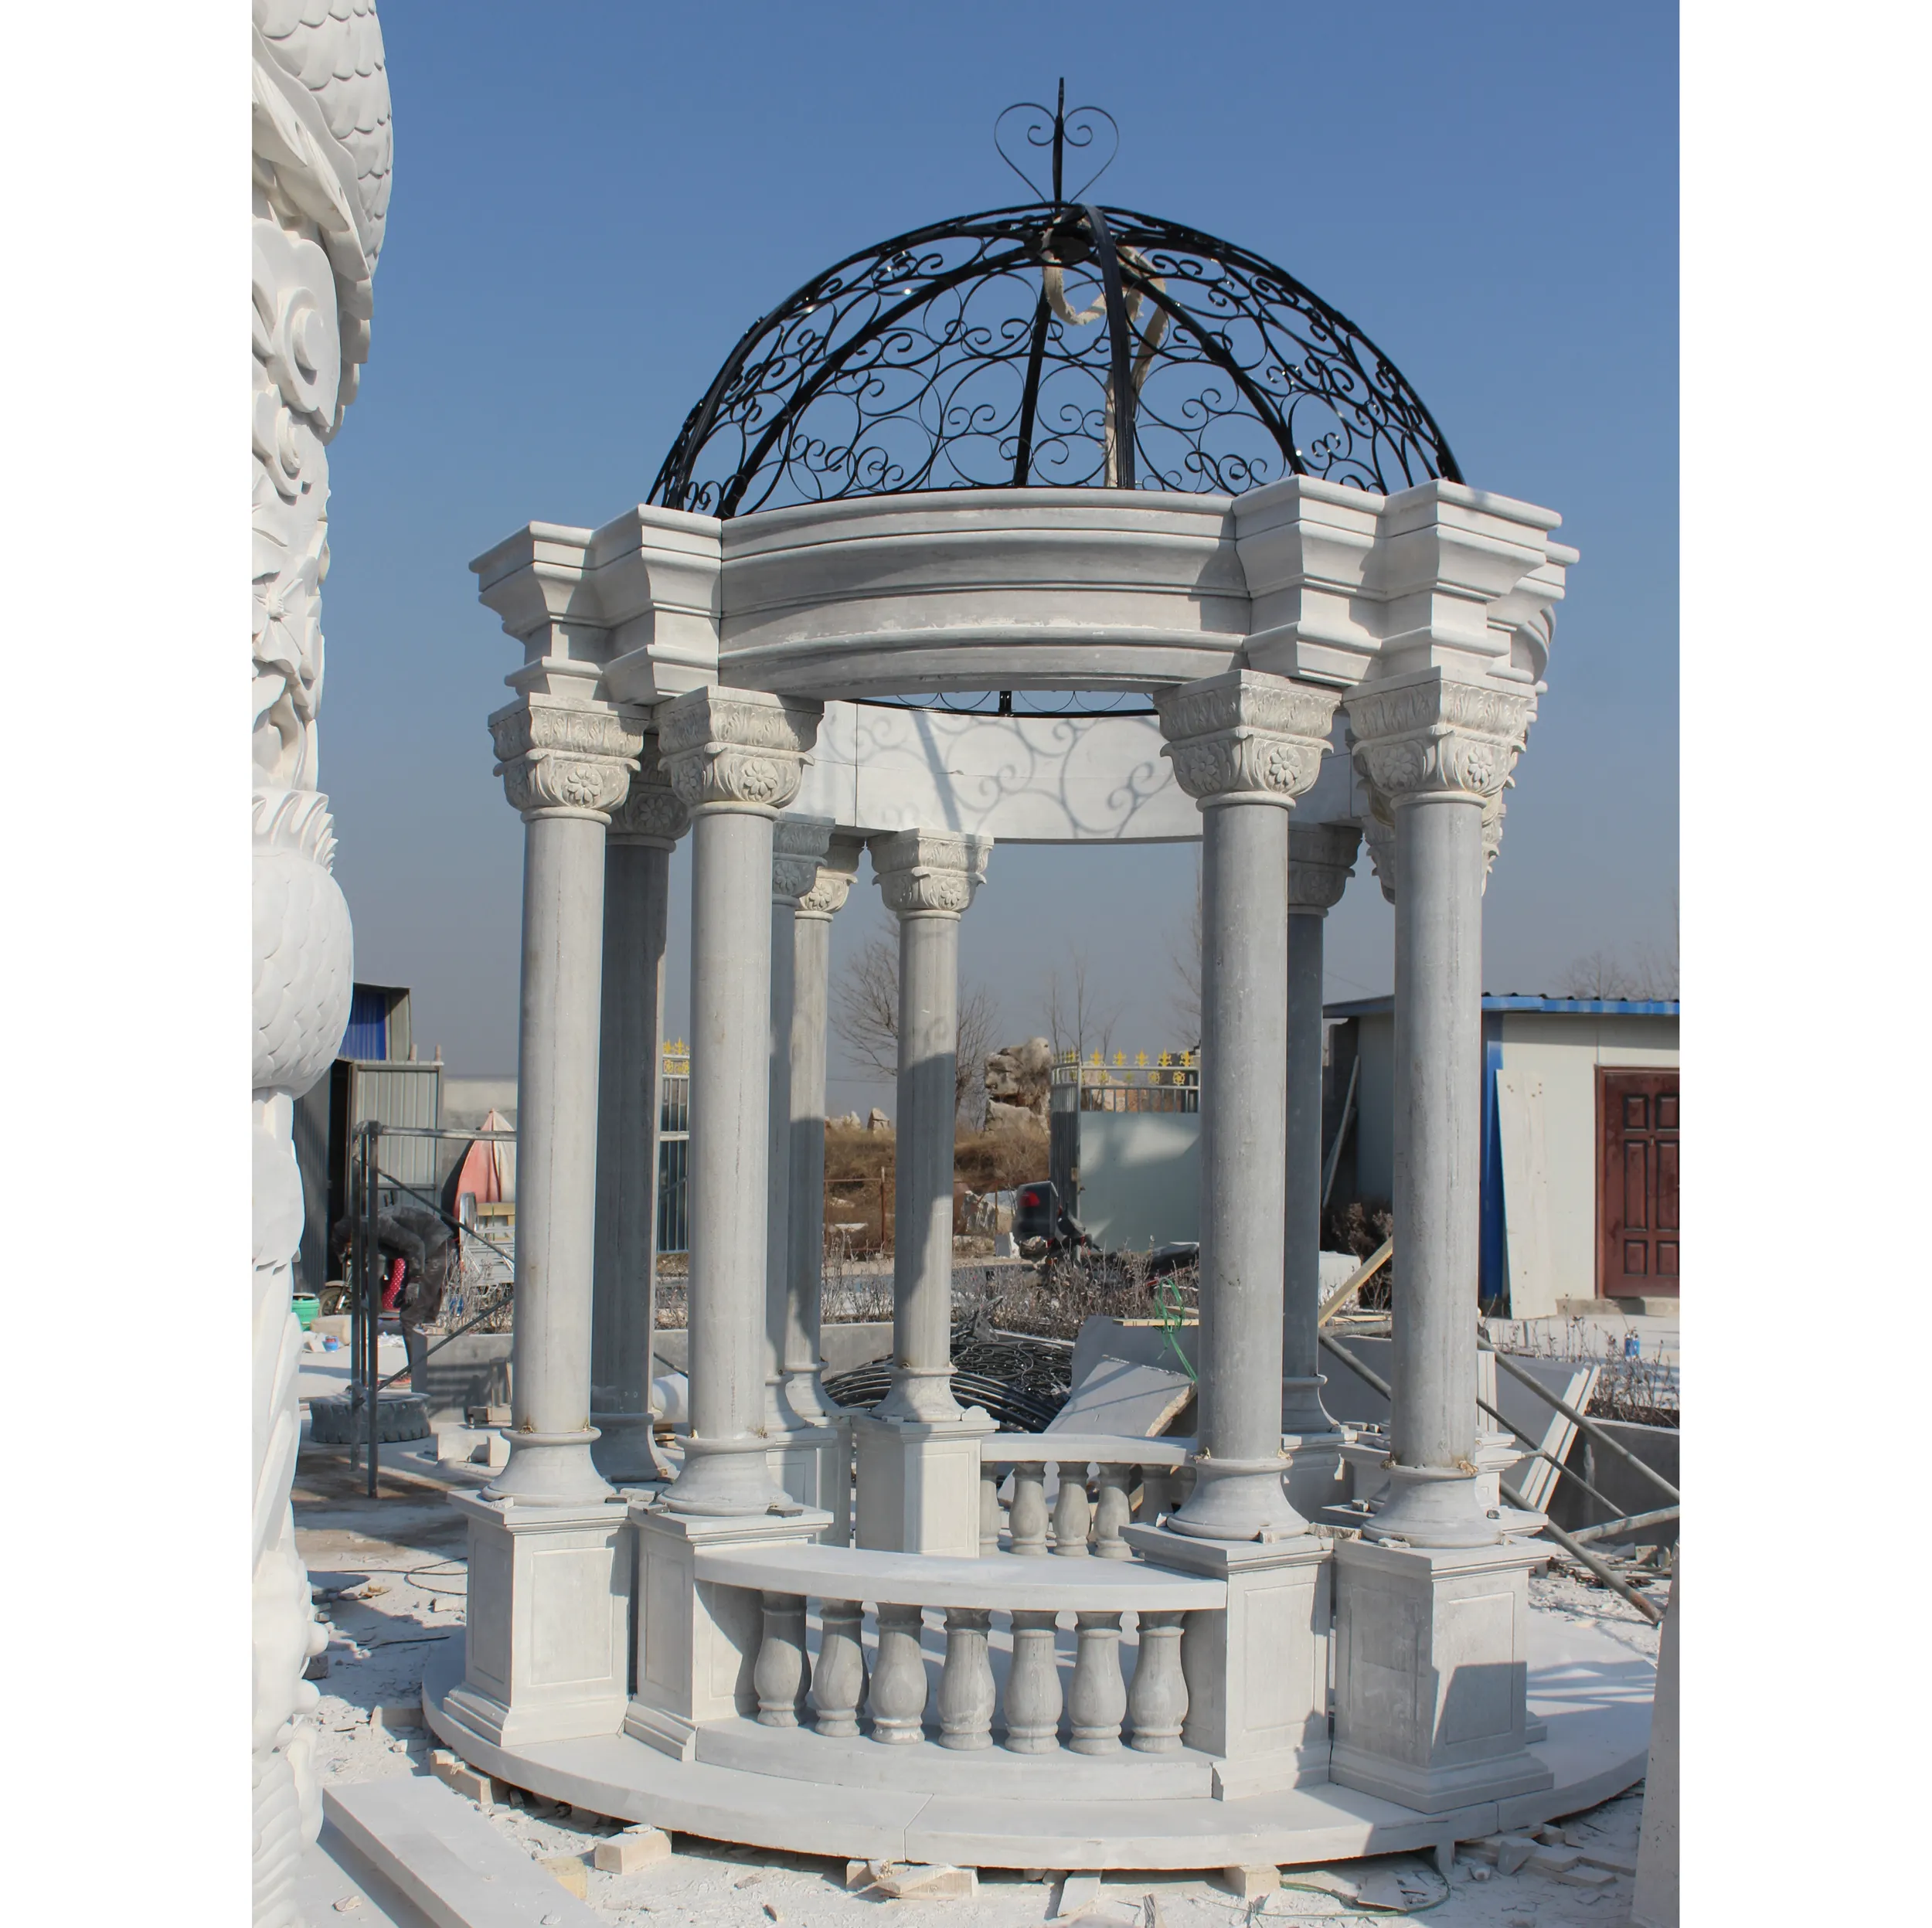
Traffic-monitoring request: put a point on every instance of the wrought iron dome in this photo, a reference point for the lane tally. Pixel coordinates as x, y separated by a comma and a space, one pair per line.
1051, 345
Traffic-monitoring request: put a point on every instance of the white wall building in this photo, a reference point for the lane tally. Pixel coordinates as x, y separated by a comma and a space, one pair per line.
1580, 1141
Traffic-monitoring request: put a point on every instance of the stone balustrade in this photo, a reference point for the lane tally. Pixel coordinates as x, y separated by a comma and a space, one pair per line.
893, 1702
1117, 1464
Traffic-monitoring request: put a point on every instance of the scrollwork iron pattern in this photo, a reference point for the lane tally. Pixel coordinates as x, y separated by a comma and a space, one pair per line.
1019, 703
937, 361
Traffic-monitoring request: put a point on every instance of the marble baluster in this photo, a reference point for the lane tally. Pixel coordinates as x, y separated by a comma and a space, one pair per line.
1112, 1510
780, 1675
966, 1684
838, 1674
1033, 1698
1096, 1702
1157, 1700
897, 1701
1026, 1518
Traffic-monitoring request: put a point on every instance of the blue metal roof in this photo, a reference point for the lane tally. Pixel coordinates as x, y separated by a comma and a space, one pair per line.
1527, 1000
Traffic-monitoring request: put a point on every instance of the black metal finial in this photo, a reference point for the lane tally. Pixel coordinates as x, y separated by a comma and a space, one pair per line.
1056, 128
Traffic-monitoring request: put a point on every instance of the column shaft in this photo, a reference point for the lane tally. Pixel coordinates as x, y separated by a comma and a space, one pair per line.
802, 1359
923, 1207
557, 1159
730, 1019
1438, 1110
778, 1415
1243, 1125
636, 917
1302, 1410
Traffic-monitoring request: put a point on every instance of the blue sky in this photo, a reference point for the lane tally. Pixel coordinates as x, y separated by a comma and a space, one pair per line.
592, 202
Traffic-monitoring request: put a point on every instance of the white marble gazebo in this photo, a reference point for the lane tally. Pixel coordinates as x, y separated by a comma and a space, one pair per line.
1358, 645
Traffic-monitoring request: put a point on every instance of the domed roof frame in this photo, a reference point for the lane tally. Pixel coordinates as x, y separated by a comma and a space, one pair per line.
955, 357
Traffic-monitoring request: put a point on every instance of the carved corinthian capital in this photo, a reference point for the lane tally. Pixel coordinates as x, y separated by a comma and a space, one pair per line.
798, 846
564, 760
832, 882
737, 749
1242, 737
652, 815
925, 872
1381, 839
1434, 735
1321, 861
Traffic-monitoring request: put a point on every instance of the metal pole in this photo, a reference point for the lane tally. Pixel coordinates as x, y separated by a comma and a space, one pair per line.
1616, 1529
1588, 1428
372, 1250
1617, 1585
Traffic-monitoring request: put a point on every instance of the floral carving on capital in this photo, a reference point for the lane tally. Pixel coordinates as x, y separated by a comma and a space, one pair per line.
798, 847
922, 872
1321, 861
741, 747
652, 814
1437, 737
1245, 737
560, 759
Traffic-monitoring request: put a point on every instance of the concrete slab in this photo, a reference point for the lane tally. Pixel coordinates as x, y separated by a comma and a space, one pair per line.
446, 1859
1121, 1397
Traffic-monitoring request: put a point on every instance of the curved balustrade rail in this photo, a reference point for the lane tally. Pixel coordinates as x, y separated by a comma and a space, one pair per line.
1118, 1464
833, 1691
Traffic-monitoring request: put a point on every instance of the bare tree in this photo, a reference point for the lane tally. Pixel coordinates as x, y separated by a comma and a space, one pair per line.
1077, 1020
1646, 971
865, 1015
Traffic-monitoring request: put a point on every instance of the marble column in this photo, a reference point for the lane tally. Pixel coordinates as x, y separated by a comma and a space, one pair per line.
643, 830
917, 1492
565, 767
802, 1364
736, 757
1244, 745
1319, 859
1437, 752
810, 1454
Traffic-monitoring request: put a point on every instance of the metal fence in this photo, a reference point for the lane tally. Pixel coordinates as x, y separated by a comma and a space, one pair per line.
674, 1150
1171, 1083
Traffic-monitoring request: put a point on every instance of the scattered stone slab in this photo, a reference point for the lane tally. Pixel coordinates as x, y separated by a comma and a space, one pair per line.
1078, 1892
1608, 1858
1556, 1861
1251, 1880
1585, 1876
1513, 1852
568, 1871
635, 1849
1398, 1890
912, 1881
392, 1716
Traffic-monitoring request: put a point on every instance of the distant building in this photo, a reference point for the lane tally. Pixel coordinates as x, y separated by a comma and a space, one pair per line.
1580, 1142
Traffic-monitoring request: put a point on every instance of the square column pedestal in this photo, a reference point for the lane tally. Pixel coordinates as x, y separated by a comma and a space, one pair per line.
1432, 1672
697, 1643
813, 1463
545, 1651
919, 1484
1257, 1675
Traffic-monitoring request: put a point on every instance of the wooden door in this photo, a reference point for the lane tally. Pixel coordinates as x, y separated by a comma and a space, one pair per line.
1637, 1217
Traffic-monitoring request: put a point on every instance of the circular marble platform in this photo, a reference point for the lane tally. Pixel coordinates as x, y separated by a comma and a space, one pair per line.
857, 1800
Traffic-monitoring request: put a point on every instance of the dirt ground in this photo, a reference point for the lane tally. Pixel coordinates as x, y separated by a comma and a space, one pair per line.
390, 1578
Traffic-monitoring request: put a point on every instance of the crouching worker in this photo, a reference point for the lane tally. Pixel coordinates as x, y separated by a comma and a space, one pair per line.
417, 1255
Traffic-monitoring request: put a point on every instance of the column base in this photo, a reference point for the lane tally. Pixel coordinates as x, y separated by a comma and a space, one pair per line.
919, 1484
1257, 1675
1315, 1475
550, 1469
806, 1398
727, 1479
1434, 1506
1431, 1674
626, 1450
697, 1643
1238, 1500
813, 1464
546, 1648
920, 1396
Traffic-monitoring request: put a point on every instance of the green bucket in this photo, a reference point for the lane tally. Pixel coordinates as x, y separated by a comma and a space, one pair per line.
307, 1305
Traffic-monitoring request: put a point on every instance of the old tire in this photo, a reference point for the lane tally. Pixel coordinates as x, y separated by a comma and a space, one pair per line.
399, 1417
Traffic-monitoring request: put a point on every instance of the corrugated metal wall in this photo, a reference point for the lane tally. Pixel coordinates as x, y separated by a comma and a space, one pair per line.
409, 1094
